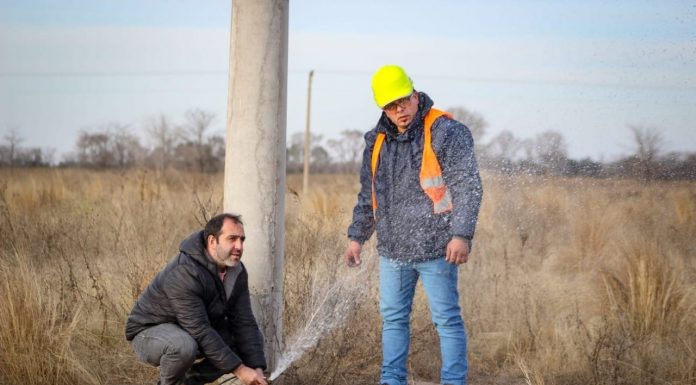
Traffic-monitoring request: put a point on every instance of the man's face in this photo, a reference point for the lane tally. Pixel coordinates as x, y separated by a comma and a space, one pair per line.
226, 251
402, 111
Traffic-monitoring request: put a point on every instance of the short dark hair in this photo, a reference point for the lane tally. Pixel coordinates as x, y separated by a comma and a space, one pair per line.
214, 225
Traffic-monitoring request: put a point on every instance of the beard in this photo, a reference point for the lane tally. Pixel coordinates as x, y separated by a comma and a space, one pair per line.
226, 257
229, 262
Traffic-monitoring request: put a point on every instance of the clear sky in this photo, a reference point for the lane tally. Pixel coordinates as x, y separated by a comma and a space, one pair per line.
586, 69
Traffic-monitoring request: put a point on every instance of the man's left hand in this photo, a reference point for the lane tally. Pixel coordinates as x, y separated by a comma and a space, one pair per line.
457, 251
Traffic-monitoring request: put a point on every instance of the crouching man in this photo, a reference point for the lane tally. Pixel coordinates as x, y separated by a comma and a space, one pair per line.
198, 306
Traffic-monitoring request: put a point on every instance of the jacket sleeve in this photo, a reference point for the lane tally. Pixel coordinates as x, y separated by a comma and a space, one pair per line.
363, 224
185, 293
461, 175
248, 340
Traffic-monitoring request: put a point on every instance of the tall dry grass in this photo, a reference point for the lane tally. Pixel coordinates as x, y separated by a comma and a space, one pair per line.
89, 241
571, 281
38, 330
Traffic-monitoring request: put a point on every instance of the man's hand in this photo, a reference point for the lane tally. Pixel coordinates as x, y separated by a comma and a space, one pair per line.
457, 251
352, 254
250, 376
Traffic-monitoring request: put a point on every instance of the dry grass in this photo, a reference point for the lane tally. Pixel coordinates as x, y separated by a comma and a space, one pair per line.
570, 282
38, 330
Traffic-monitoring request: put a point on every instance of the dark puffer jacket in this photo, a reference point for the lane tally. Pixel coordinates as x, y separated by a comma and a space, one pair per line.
407, 228
189, 292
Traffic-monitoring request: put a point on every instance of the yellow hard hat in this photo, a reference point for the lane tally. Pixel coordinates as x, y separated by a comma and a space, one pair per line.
390, 83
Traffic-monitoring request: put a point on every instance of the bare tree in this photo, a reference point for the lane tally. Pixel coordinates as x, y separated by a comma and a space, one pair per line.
501, 151
527, 147
126, 147
504, 145
195, 145
348, 149
111, 146
34, 157
551, 151
216, 144
13, 140
649, 145
197, 124
12, 154
476, 123
163, 140
319, 157
295, 152
93, 150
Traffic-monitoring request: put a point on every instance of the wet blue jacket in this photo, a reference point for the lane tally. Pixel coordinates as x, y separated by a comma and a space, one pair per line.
407, 228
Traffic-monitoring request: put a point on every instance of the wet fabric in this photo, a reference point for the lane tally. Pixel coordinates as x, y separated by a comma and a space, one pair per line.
407, 229
430, 174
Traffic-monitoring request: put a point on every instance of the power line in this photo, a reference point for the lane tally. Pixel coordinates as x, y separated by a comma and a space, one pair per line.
109, 74
553, 82
119, 73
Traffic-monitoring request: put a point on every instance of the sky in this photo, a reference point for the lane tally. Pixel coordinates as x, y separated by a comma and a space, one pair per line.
588, 70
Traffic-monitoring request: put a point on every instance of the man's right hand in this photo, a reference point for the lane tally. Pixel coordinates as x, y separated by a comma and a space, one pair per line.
249, 376
352, 254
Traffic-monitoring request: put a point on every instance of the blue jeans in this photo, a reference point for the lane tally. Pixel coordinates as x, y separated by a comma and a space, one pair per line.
397, 283
175, 352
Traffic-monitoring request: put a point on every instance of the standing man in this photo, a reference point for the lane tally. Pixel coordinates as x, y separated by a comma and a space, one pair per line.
421, 192
199, 307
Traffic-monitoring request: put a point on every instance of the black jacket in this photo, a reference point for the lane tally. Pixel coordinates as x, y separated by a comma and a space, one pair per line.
189, 292
407, 229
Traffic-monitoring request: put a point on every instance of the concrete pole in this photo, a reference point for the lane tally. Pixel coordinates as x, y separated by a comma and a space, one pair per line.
307, 136
255, 153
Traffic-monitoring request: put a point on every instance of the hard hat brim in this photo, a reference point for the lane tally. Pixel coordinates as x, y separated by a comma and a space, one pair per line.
396, 95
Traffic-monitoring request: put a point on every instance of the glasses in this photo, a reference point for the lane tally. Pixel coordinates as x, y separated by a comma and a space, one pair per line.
403, 103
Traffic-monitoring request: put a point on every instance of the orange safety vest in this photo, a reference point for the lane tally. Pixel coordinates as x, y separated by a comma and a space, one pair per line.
430, 174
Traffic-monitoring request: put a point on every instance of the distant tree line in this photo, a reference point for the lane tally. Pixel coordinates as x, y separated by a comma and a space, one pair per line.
192, 146
339, 155
12, 153
187, 146
546, 154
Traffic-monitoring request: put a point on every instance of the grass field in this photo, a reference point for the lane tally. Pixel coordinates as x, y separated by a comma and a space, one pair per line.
571, 281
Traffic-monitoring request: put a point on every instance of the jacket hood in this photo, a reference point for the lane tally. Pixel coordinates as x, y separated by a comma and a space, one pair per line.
386, 126
194, 247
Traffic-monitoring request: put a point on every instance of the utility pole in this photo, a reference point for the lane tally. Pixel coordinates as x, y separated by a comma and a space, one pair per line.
255, 153
307, 136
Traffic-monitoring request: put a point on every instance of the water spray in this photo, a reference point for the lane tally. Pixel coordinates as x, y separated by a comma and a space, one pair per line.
328, 313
